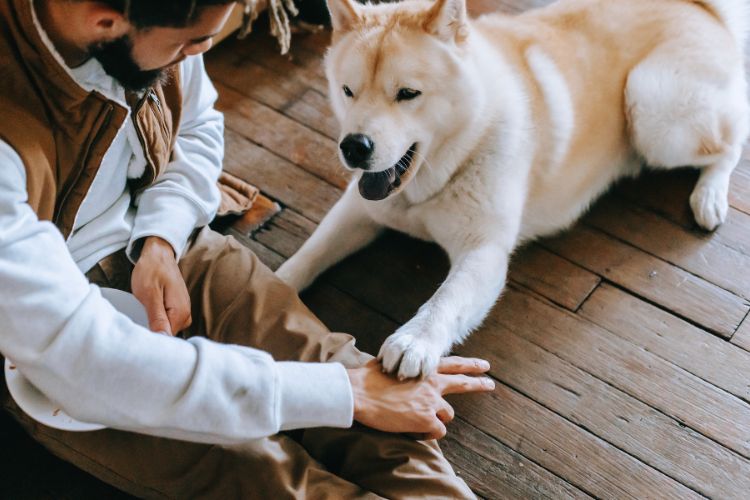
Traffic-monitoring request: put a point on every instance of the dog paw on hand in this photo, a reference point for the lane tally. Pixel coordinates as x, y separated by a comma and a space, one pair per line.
410, 355
710, 206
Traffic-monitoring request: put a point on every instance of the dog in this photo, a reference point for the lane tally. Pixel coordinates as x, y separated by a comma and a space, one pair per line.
484, 134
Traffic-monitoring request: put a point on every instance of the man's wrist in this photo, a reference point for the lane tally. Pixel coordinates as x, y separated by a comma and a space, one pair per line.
154, 245
355, 380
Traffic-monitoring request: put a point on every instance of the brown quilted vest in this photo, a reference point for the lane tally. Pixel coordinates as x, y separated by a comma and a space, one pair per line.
61, 131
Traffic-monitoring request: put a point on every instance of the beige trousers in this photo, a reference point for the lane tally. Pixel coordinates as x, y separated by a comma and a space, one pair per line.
236, 299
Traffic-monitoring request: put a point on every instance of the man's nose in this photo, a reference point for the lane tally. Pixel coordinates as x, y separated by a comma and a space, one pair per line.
198, 48
357, 150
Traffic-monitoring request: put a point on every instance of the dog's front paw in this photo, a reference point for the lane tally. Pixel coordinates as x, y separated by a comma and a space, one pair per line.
410, 355
710, 206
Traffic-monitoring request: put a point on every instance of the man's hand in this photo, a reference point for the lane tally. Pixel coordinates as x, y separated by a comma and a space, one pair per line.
158, 285
414, 406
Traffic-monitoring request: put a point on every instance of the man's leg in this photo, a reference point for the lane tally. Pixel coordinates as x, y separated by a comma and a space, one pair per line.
237, 299
151, 467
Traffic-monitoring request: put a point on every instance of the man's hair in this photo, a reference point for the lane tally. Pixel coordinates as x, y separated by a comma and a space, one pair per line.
162, 13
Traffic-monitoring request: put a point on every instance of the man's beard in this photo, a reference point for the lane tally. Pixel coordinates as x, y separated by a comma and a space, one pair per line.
116, 57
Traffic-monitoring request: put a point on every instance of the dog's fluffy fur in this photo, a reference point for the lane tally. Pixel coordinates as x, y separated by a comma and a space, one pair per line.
521, 123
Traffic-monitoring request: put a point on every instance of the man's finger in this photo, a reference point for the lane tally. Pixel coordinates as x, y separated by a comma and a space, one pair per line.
158, 321
457, 364
446, 413
177, 304
437, 430
178, 320
456, 384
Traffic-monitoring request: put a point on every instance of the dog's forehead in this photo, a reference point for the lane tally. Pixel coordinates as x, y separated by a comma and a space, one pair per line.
381, 54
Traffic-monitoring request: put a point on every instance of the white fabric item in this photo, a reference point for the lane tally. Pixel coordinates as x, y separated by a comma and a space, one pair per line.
96, 363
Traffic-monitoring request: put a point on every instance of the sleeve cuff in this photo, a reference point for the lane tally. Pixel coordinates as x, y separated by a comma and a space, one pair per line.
169, 216
314, 395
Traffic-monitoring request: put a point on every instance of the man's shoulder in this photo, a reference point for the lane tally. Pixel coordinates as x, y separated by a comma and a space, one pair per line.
24, 125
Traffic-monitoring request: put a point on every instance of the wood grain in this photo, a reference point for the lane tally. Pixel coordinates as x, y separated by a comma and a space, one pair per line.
698, 253
628, 367
495, 471
564, 448
673, 288
662, 442
278, 178
742, 337
659, 332
287, 138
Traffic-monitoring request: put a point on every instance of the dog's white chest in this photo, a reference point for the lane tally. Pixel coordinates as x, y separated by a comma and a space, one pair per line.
401, 217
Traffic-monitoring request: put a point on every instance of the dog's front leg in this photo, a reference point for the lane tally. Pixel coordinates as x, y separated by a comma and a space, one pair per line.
343, 231
476, 278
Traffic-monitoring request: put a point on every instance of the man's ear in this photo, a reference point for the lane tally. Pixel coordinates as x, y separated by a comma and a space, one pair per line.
104, 22
447, 20
344, 14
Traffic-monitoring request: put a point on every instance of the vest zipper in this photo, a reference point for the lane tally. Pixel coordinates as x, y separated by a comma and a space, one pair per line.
152, 95
102, 129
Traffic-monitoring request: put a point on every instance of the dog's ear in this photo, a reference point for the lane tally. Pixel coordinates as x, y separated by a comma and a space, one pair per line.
447, 20
344, 14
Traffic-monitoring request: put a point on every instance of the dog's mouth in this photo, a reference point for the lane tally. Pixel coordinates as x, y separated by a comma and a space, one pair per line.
376, 186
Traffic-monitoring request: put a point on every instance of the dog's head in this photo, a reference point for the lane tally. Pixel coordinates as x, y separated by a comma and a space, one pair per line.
397, 86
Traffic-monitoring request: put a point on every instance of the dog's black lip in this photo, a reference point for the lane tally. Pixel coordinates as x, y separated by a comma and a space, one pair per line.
397, 171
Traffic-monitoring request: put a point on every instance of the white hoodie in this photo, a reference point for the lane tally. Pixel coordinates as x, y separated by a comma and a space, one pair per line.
93, 361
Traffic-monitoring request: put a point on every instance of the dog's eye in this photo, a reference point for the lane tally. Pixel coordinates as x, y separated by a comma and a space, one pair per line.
347, 91
407, 94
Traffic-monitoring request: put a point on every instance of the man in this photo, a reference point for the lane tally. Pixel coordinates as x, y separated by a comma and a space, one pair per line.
109, 152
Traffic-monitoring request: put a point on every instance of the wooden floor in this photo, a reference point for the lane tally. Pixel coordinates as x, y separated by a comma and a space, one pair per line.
621, 349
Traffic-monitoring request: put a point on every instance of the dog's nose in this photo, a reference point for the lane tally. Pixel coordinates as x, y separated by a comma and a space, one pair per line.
357, 150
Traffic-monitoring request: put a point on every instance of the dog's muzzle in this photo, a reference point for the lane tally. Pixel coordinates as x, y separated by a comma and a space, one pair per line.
378, 185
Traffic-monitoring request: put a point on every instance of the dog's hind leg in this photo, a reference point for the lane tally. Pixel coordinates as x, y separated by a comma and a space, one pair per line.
686, 105
343, 231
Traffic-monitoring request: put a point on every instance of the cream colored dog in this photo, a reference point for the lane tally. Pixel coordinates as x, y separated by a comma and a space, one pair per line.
482, 134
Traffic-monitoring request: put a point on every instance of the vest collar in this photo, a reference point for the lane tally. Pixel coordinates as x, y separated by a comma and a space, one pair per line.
38, 57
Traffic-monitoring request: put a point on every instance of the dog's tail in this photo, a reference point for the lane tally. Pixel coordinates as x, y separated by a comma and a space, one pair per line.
735, 14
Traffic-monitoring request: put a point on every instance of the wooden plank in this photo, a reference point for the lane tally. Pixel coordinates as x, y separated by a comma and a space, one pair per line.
670, 338
667, 193
312, 109
699, 254
300, 63
742, 337
286, 233
266, 255
342, 313
739, 187
613, 415
278, 178
631, 369
673, 288
495, 471
558, 279
287, 138
225, 65
315, 42
564, 448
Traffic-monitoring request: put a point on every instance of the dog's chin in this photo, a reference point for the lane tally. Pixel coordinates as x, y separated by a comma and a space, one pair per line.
375, 186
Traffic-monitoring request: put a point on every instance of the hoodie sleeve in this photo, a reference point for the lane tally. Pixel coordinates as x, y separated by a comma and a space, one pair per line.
101, 367
186, 196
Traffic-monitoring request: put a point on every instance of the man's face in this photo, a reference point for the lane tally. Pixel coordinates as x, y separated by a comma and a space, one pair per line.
141, 58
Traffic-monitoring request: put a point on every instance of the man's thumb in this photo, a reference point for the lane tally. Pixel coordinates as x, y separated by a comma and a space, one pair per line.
157, 316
